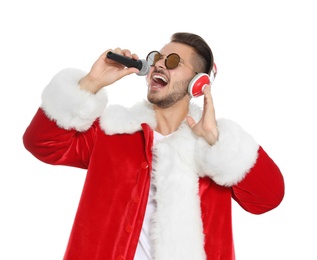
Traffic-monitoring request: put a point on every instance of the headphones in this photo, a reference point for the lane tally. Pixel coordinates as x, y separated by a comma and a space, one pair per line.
197, 84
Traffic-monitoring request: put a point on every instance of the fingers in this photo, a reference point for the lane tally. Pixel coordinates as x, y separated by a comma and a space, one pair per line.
207, 94
119, 63
127, 53
209, 109
209, 115
118, 66
124, 52
106, 71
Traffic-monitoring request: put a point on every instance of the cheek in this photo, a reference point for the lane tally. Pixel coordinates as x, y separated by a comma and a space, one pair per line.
181, 84
180, 87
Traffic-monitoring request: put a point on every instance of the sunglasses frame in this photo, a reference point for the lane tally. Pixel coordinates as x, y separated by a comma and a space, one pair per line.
166, 60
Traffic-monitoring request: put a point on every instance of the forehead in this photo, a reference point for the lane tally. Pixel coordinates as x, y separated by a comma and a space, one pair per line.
183, 50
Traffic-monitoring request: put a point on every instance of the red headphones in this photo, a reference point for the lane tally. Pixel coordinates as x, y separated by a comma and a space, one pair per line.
197, 84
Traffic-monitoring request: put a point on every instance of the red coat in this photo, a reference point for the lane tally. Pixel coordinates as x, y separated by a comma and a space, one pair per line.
193, 195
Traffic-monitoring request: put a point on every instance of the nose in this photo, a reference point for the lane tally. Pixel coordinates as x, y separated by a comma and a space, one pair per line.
160, 63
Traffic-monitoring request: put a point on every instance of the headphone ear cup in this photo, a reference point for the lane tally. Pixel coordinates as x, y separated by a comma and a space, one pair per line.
197, 84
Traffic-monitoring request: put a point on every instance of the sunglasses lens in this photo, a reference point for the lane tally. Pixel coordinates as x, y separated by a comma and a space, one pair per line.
153, 57
172, 61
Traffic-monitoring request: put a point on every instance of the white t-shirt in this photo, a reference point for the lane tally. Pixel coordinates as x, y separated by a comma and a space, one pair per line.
144, 248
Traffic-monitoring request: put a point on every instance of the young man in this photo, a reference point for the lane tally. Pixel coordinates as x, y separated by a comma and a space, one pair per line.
161, 174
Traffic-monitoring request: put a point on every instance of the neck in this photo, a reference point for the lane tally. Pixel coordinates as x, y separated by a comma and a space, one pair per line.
169, 119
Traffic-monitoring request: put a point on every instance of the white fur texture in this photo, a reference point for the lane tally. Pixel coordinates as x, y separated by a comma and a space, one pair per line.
177, 230
117, 119
230, 159
178, 160
70, 106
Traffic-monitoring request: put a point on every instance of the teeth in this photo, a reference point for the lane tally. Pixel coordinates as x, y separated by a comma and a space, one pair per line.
159, 77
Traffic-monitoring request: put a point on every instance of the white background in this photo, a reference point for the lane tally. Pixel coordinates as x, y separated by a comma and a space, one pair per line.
266, 57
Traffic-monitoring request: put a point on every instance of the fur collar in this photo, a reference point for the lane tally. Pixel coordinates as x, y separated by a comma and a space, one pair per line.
128, 120
175, 225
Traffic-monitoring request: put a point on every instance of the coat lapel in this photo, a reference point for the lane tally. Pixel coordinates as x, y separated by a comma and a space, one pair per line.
177, 225
177, 230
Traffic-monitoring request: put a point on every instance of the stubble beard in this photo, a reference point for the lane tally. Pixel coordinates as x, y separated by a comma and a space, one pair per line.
179, 92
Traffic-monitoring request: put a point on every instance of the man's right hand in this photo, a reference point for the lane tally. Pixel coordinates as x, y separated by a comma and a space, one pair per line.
105, 72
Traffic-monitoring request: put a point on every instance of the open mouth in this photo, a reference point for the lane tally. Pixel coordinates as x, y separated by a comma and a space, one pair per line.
159, 81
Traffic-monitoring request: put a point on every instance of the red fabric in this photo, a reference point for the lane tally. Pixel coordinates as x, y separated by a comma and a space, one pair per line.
112, 206
263, 187
216, 216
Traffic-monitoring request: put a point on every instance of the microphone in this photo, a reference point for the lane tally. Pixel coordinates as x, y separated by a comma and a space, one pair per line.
141, 65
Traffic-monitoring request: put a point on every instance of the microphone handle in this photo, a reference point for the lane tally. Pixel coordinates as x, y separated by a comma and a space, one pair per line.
126, 61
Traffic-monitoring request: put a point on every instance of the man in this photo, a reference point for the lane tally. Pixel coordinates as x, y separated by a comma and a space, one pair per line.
161, 174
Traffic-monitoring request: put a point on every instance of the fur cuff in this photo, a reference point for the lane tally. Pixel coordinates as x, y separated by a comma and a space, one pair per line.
231, 158
71, 107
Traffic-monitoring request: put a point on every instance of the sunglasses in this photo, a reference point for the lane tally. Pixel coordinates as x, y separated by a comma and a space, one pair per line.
171, 61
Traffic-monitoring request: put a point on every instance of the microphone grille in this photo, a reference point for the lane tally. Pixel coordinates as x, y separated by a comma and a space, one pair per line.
144, 69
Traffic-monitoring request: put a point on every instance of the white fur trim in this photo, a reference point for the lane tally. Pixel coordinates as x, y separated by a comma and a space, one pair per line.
177, 230
226, 162
70, 106
127, 120
178, 162
230, 159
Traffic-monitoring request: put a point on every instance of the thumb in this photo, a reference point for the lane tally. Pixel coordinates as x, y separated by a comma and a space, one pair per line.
190, 121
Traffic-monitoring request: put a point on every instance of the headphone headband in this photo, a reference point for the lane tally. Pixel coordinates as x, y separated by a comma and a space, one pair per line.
213, 72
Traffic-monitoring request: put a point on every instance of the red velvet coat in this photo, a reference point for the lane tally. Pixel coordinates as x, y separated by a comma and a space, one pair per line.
195, 183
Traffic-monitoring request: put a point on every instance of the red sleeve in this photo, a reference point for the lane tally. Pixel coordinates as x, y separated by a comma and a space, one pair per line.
262, 189
54, 145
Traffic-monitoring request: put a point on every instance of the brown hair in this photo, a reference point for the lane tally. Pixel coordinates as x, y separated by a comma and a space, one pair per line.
200, 46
